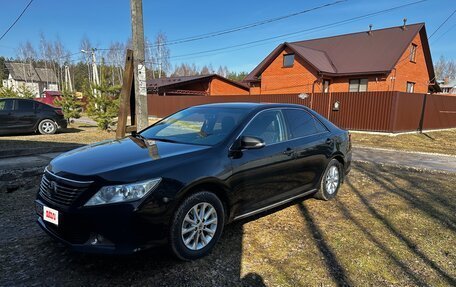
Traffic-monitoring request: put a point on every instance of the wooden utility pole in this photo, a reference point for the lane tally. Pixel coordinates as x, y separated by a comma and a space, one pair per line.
139, 64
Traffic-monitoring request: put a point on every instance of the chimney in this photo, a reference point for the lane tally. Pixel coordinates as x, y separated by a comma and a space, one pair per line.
405, 23
370, 30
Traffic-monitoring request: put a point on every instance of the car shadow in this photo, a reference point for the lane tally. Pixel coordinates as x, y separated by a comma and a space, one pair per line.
153, 267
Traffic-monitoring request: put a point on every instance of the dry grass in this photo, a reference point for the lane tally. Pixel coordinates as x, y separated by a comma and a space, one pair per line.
388, 227
436, 142
74, 134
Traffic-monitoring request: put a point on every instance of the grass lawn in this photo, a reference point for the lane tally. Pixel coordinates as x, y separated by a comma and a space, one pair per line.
436, 142
387, 227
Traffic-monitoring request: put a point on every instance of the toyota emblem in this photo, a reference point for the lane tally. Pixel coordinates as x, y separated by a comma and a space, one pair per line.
52, 188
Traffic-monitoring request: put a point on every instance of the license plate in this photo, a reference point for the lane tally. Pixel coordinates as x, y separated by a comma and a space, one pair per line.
51, 215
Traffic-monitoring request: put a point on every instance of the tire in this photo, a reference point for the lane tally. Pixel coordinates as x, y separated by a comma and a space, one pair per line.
330, 182
183, 244
47, 127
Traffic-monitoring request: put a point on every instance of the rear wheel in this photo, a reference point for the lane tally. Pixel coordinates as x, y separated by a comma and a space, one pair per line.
197, 225
47, 127
330, 181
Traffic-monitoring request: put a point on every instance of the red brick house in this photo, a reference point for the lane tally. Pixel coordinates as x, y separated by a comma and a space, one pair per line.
203, 85
391, 59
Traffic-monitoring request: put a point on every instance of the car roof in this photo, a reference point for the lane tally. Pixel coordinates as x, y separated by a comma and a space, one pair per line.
250, 105
22, 99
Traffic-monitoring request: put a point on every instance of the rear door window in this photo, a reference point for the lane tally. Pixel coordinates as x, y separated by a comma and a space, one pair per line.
300, 123
25, 106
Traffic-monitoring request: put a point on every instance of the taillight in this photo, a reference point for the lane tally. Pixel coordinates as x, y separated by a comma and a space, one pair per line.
59, 112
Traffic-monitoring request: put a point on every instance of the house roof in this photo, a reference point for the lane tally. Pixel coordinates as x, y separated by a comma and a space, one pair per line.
26, 72
450, 84
376, 52
22, 72
178, 81
46, 75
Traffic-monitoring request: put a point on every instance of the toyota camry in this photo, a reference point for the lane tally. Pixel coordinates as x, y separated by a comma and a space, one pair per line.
181, 180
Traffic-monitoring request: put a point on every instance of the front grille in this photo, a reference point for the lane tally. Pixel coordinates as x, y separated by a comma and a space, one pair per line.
60, 191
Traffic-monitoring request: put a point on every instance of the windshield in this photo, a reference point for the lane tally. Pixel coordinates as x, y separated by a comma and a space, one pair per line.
198, 125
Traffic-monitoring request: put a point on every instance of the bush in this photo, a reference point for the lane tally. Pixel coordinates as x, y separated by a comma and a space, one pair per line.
103, 106
25, 92
7, 93
22, 92
71, 107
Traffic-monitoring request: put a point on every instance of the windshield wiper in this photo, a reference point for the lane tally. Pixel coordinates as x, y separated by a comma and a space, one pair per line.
163, 140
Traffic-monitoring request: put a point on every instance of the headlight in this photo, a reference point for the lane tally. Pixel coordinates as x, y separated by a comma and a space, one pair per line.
122, 193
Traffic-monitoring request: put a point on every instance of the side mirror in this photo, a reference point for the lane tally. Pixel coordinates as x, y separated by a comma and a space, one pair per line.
249, 142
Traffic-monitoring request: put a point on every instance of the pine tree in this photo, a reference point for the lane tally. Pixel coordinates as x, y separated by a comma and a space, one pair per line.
71, 106
103, 104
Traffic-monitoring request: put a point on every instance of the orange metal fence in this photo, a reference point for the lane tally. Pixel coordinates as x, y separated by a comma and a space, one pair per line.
369, 111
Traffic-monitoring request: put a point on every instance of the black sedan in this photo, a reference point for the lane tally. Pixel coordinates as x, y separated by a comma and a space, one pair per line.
25, 116
182, 179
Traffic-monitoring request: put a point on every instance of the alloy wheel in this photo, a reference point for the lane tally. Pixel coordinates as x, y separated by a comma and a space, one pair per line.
47, 127
332, 179
199, 226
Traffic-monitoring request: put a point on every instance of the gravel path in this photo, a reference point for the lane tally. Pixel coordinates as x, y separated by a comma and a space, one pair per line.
417, 160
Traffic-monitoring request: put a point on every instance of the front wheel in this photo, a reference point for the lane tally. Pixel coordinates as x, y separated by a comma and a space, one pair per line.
330, 181
197, 225
47, 127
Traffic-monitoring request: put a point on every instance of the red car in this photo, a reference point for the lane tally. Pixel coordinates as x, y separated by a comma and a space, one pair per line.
49, 97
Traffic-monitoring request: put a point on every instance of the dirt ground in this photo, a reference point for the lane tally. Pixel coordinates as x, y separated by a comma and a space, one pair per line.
387, 227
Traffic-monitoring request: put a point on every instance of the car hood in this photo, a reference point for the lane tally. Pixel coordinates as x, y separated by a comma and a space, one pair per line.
114, 155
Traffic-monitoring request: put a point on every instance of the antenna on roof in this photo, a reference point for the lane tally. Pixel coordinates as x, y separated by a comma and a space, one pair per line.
405, 23
370, 29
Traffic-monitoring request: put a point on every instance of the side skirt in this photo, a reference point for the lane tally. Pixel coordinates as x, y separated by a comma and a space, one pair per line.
250, 213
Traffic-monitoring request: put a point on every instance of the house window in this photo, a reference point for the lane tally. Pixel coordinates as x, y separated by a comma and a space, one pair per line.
325, 86
410, 87
288, 60
413, 52
358, 85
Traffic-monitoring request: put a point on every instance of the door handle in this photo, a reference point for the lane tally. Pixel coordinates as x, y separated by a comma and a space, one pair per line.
288, 152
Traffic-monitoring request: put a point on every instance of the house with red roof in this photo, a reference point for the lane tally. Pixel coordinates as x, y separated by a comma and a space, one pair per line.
391, 59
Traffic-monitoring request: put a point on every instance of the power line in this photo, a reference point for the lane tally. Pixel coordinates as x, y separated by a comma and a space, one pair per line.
321, 27
433, 33
444, 33
238, 28
244, 27
443, 23
17, 19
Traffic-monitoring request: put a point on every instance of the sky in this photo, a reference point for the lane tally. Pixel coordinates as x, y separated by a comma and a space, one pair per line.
104, 22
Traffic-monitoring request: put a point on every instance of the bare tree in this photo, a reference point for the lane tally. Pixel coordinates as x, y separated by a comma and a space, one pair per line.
207, 70
61, 56
160, 54
86, 45
223, 71
115, 58
185, 69
26, 54
445, 69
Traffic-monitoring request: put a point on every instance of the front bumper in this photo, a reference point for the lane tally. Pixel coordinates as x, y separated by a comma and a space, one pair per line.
106, 229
